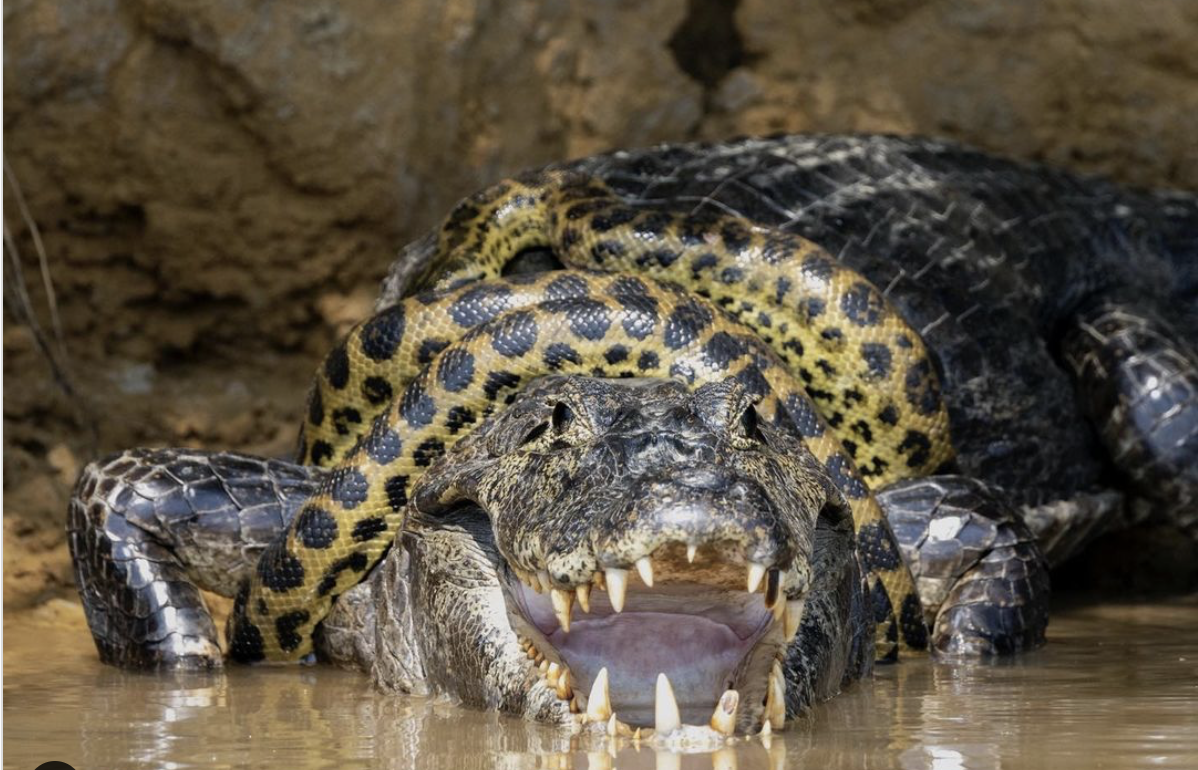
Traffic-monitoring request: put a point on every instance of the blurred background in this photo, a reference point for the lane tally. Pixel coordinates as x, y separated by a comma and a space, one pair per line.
218, 186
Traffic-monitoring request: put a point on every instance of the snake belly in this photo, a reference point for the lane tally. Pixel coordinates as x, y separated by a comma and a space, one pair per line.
499, 335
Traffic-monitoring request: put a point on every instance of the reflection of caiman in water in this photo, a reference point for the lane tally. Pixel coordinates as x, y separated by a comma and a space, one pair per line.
598, 533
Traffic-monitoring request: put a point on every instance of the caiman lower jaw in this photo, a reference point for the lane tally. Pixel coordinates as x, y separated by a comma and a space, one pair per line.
670, 656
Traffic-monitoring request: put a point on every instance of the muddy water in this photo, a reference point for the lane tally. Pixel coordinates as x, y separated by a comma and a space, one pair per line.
1117, 687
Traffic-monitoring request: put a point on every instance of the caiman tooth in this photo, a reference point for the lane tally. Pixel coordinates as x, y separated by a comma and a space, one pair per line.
543, 579
723, 719
644, 568
599, 580
611, 725
554, 671
565, 687
794, 616
779, 610
599, 701
583, 594
756, 573
666, 717
691, 550
543, 665
775, 699
773, 582
563, 602
765, 734
617, 584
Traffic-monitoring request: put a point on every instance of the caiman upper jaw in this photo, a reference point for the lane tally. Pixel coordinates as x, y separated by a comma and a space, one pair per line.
674, 640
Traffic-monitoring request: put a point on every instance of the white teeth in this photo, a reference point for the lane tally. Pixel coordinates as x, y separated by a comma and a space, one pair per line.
773, 581
583, 592
723, 719
794, 616
666, 717
691, 550
554, 671
775, 699
543, 579
617, 584
599, 701
756, 573
611, 726
644, 568
765, 734
779, 610
564, 687
563, 602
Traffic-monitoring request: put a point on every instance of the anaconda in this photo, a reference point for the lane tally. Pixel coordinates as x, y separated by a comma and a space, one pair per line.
949, 302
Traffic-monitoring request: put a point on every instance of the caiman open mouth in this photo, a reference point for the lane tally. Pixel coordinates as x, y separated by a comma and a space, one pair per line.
666, 643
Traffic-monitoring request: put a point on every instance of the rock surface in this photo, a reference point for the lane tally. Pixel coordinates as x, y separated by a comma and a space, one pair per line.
219, 185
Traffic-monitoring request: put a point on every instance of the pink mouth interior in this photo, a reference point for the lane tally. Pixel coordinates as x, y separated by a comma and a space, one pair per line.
695, 634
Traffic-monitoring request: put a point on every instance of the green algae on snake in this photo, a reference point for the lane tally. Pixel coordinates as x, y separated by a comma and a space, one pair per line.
625, 327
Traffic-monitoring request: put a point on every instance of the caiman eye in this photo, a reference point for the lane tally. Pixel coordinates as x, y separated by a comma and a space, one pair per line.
749, 427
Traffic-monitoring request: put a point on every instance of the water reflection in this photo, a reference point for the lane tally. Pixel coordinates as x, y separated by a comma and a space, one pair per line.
1117, 682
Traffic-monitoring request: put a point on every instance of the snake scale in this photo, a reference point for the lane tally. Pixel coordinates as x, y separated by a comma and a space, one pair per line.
697, 297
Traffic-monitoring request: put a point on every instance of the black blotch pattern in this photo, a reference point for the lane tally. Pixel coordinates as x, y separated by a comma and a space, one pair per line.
278, 569
455, 372
344, 418
662, 257
347, 487
915, 631
497, 381
417, 407
819, 266
877, 547
285, 626
355, 562
921, 387
376, 390
862, 429
647, 361
654, 224
685, 324
832, 334
615, 354
368, 529
722, 349
804, 415
381, 335
245, 641
336, 367
919, 445
862, 304
753, 381
684, 372
877, 358
589, 318
459, 417
321, 451
889, 415
614, 217
736, 236
396, 489
732, 275
812, 308
560, 353
639, 318
704, 261
880, 601
479, 305
845, 478
383, 444
429, 349
315, 407
778, 249
427, 452
316, 527
515, 334
566, 287
604, 249
781, 289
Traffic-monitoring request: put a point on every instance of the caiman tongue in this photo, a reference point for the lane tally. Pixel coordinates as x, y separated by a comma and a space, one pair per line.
697, 626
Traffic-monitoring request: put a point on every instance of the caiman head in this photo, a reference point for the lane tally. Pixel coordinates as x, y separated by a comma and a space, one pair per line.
628, 547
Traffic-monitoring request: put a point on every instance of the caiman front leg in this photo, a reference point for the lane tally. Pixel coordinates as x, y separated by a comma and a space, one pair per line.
982, 579
149, 528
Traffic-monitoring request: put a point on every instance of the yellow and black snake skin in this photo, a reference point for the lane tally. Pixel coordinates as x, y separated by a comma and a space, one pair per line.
812, 337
